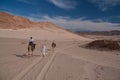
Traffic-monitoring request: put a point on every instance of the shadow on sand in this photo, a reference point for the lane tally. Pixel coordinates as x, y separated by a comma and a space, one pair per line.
26, 56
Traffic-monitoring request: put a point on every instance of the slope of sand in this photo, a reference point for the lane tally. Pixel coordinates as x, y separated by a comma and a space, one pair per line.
69, 61
39, 34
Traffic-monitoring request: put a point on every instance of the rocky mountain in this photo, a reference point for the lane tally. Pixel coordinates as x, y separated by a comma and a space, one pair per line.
8, 21
107, 33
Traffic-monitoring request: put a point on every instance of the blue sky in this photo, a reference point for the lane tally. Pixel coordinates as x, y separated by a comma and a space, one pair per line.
70, 14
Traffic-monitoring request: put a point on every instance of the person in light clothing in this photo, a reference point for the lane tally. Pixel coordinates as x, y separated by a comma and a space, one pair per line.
43, 50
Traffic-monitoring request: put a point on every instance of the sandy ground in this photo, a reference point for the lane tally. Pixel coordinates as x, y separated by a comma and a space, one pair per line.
69, 61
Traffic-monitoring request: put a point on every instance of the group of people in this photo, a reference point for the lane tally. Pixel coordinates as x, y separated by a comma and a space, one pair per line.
43, 48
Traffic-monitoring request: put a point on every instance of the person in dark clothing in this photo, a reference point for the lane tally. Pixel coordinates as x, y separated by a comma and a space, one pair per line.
31, 41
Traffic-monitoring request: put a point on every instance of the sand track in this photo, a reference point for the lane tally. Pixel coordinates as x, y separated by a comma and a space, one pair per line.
38, 67
26, 70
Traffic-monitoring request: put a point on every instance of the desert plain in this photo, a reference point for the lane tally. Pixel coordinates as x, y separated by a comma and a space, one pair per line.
69, 61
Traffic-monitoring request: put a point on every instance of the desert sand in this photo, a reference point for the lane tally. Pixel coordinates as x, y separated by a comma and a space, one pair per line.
69, 61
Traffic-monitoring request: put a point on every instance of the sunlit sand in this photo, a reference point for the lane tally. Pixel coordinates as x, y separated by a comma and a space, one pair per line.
69, 61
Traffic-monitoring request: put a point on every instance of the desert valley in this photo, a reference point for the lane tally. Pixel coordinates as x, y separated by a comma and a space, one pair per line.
70, 60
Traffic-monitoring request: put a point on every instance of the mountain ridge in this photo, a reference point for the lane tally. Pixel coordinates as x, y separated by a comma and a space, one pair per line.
8, 21
107, 33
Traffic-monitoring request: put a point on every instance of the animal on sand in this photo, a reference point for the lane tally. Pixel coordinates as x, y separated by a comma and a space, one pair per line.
53, 45
31, 48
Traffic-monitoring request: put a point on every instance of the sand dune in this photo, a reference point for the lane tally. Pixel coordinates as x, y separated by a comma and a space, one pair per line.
38, 33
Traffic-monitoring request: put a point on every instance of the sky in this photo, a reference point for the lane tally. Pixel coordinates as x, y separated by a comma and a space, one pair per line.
76, 15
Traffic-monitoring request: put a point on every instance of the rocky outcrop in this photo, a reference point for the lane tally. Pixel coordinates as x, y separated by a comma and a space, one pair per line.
104, 45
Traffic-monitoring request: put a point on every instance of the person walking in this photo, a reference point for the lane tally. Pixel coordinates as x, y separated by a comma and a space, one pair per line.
53, 45
43, 50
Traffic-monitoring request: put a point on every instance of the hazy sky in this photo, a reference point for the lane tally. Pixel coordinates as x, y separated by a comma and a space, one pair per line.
71, 14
